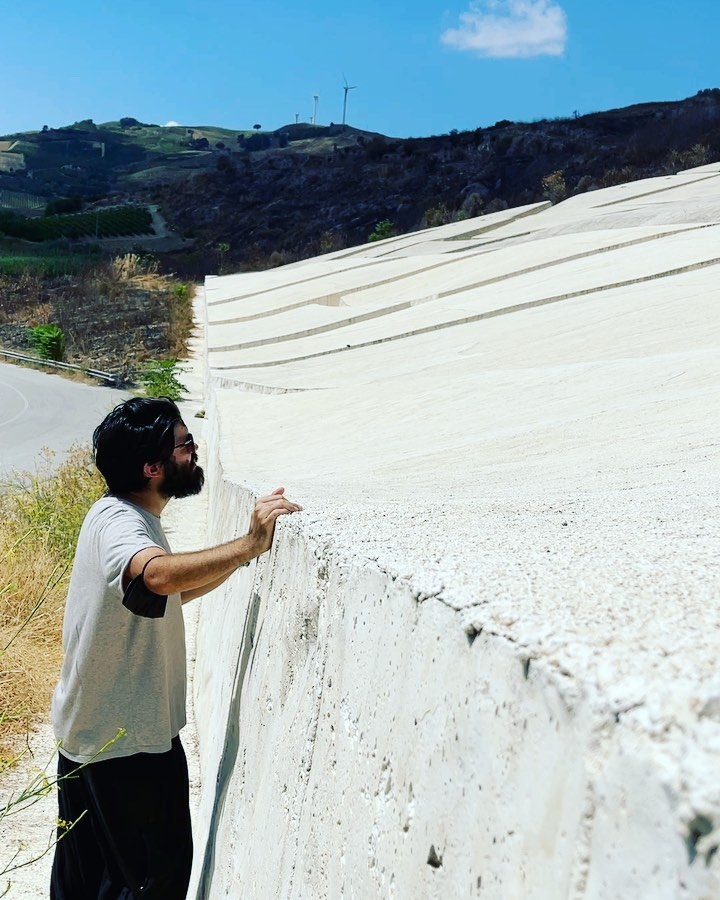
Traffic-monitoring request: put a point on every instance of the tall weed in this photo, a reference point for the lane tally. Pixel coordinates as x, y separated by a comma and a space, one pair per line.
40, 518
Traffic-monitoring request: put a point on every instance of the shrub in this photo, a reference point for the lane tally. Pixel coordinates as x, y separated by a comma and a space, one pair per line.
617, 176
383, 230
473, 204
278, 258
497, 204
331, 240
376, 148
437, 215
257, 142
686, 159
586, 183
159, 379
554, 187
223, 248
63, 205
131, 271
48, 341
226, 166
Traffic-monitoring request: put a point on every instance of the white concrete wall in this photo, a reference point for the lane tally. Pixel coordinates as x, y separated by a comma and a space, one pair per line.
370, 731
348, 727
483, 663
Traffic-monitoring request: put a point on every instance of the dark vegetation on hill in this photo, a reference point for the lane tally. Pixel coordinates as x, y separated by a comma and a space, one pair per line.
280, 204
252, 199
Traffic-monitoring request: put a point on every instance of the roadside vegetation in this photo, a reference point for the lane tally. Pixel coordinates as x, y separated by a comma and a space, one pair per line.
159, 378
113, 314
40, 518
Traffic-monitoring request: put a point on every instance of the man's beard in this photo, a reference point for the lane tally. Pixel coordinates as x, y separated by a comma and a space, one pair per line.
182, 480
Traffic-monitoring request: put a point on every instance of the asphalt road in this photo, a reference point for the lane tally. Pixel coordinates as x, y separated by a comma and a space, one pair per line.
39, 410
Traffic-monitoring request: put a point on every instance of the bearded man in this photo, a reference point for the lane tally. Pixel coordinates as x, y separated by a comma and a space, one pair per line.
124, 819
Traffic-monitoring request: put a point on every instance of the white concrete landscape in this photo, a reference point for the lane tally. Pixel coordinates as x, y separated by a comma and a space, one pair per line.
484, 661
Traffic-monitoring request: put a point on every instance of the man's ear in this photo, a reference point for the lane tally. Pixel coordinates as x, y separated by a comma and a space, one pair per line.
153, 470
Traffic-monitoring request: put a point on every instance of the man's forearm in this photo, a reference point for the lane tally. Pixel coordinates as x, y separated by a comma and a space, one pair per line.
186, 596
180, 572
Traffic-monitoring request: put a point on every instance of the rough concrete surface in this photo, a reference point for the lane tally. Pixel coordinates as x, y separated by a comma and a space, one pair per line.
483, 661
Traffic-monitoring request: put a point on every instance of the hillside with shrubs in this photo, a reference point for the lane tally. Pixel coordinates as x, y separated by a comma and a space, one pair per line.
275, 205
248, 199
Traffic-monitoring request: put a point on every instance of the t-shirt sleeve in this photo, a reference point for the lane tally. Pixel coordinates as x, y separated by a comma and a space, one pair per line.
124, 533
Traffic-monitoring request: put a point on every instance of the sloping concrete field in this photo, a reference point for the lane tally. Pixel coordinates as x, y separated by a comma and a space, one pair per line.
484, 661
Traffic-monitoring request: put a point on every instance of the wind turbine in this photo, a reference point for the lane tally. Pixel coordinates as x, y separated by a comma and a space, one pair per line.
348, 88
316, 97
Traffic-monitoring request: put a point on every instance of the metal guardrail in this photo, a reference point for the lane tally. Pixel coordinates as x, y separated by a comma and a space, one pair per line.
114, 379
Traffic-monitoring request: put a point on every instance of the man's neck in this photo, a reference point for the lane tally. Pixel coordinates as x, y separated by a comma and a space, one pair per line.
148, 499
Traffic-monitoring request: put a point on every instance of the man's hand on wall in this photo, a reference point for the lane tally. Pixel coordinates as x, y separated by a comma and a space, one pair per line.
262, 524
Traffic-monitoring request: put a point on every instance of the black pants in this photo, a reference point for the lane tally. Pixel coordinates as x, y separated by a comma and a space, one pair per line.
134, 841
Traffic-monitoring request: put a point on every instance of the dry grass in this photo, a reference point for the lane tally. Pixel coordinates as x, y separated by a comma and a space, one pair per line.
180, 314
40, 517
131, 271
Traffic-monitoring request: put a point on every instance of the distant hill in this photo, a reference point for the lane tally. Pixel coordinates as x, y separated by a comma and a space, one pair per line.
272, 197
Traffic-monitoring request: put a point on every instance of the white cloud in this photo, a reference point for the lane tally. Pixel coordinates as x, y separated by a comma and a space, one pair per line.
171, 124
510, 28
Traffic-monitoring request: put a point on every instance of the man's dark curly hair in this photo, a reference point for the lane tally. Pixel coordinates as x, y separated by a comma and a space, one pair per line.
136, 432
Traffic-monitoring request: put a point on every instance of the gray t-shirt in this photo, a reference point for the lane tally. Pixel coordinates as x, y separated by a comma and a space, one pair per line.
120, 670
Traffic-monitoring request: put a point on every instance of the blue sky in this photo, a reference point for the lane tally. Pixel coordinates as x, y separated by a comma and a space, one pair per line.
420, 68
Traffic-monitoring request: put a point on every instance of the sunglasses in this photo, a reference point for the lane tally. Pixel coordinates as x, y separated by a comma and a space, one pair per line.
189, 442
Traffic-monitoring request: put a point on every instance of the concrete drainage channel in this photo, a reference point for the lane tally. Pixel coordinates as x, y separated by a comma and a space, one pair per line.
483, 661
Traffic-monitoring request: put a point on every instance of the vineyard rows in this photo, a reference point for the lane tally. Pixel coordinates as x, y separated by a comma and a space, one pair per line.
121, 222
18, 200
